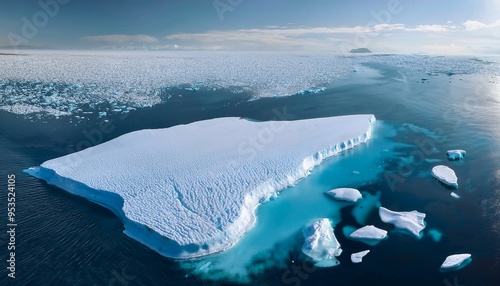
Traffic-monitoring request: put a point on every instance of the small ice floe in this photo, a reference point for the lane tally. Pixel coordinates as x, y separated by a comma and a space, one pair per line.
358, 256
345, 194
410, 221
456, 262
369, 234
321, 244
446, 175
455, 154
102, 114
455, 195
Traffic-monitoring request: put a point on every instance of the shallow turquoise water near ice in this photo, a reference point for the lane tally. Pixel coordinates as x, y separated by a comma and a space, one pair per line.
83, 244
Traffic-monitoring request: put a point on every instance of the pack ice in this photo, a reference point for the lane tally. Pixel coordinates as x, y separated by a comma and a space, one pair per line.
191, 190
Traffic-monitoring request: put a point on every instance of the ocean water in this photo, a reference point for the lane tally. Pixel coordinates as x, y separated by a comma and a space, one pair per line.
424, 106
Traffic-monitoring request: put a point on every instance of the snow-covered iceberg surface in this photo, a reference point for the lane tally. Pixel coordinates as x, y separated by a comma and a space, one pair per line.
321, 244
345, 194
456, 261
369, 234
455, 154
358, 256
411, 221
191, 190
445, 175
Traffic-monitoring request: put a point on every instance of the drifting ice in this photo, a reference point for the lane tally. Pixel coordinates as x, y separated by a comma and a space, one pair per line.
369, 232
321, 244
345, 194
358, 256
191, 190
454, 261
411, 221
445, 175
455, 154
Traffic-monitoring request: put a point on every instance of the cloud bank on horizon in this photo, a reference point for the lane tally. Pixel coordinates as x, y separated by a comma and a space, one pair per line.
384, 26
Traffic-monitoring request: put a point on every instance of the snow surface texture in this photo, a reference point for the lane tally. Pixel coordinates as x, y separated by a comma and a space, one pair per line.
321, 244
454, 261
369, 232
455, 154
75, 81
411, 221
191, 190
358, 256
445, 175
345, 194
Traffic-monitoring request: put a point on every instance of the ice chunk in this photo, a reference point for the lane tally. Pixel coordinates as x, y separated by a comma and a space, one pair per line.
455, 261
369, 234
321, 244
192, 190
345, 194
455, 154
455, 195
411, 221
445, 175
358, 256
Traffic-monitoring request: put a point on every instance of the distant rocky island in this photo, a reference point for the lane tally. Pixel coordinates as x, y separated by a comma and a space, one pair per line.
360, 51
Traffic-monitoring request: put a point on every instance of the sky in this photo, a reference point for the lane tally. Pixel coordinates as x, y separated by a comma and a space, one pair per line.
383, 26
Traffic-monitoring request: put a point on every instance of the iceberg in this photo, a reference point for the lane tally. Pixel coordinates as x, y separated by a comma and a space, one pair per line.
358, 256
455, 195
192, 190
321, 244
411, 221
455, 154
456, 261
369, 234
345, 194
445, 175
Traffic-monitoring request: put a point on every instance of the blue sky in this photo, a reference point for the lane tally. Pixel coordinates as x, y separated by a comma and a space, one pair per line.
394, 26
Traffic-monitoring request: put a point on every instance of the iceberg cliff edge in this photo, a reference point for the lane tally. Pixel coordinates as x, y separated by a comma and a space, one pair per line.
192, 190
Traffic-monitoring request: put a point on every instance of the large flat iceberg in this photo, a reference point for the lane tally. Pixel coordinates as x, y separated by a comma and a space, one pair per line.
191, 190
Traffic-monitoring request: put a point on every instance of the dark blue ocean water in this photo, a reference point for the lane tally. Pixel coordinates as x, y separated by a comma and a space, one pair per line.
62, 239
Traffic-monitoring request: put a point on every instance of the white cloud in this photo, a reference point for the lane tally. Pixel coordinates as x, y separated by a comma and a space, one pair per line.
432, 28
122, 39
472, 25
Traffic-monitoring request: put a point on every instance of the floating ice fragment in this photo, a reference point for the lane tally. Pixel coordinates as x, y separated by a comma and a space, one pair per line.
369, 234
345, 194
445, 175
455, 195
411, 221
321, 244
454, 262
455, 154
358, 256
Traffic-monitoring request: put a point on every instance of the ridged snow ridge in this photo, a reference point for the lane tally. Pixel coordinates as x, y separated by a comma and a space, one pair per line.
192, 190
